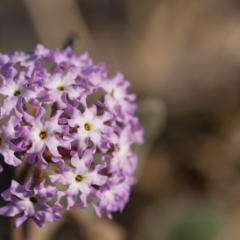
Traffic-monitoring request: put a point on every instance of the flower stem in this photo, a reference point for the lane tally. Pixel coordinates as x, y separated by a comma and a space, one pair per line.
21, 177
36, 177
16, 233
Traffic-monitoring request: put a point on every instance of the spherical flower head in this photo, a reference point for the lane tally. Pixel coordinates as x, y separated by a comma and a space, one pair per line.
54, 123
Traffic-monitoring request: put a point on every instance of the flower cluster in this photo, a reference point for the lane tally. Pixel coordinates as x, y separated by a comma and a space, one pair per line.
62, 114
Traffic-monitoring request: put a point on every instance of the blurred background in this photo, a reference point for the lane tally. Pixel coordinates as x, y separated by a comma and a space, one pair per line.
182, 58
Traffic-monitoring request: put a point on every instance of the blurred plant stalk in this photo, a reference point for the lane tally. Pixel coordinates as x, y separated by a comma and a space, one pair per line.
57, 20
152, 113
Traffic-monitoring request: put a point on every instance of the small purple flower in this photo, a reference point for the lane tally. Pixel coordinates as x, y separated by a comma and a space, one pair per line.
43, 134
113, 195
90, 126
41, 51
80, 178
122, 157
7, 148
15, 90
61, 86
29, 203
4, 59
117, 99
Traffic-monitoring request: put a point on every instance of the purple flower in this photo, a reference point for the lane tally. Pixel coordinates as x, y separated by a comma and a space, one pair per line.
90, 126
4, 58
7, 148
30, 203
43, 134
113, 195
41, 51
61, 86
65, 117
15, 89
117, 100
123, 158
80, 178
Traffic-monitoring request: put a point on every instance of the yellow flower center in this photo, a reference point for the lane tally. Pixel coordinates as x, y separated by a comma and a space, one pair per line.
78, 178
43, 135
87, 126
17, 92
112, 93
60, 88
1, 141
33, 200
